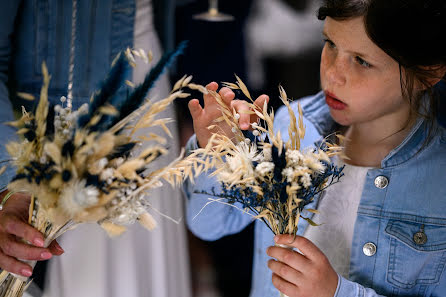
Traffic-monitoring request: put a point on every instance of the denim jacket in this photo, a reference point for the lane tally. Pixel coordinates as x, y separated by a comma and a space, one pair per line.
406, 196
36, 31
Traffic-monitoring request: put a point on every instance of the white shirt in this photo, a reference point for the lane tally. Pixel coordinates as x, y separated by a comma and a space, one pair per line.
338, 207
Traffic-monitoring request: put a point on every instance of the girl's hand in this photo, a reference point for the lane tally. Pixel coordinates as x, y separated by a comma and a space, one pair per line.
204, 117
14, 230
301, 275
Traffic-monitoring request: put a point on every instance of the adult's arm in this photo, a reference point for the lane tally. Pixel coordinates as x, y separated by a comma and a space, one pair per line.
14, 229
8, 14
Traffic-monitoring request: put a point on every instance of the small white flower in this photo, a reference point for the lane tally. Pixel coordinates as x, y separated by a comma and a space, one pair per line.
77, 196
255, 133
127, 213
102, 162
237, 116
306, 180
294, 157
119, 161
234, 130
311, 161
288, 172
267, 153
264, 168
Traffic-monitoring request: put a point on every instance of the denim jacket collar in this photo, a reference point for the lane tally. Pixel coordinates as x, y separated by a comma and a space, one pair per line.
317, 112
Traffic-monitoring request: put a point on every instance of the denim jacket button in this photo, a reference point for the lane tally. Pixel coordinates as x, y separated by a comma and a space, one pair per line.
381, 182
369, 249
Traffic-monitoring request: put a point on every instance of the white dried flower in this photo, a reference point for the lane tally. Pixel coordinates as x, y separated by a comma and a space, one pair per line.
267, 153
288, 172
102, 163
76, 196
119, 161
265, 168
311, 161
107, 174
293, 157
237, 116
127, 213
306, 180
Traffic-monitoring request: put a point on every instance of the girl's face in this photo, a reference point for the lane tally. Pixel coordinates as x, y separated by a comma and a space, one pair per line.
361, 82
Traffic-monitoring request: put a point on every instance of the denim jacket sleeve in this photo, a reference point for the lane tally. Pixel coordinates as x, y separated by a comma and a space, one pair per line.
7, 18
348, 288
206, 219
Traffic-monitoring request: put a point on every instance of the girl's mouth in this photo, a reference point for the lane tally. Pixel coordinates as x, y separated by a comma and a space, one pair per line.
333, 102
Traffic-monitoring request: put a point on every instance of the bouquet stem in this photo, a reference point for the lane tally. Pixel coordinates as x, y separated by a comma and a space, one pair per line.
12, 285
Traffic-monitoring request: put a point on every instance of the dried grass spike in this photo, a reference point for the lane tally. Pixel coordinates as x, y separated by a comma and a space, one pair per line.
147, 221
26, 96
113, 229
243, 87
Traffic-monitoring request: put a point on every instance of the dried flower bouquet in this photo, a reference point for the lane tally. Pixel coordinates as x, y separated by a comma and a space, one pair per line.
86, 165
271, 178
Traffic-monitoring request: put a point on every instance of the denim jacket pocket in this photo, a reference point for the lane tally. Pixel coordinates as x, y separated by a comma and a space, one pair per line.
412, 263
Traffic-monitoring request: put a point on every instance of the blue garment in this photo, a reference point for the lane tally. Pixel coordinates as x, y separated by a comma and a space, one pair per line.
441, 89
36, 31
415, 198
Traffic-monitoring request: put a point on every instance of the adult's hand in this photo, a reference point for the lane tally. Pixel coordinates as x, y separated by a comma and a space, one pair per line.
15, 231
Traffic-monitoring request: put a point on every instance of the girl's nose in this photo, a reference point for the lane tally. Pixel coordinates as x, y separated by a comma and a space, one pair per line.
336, 72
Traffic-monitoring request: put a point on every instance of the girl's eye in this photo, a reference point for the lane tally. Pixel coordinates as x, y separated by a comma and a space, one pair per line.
362, 62
330, 43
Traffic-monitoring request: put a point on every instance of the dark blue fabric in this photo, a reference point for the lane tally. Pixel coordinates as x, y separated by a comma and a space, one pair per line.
441, 89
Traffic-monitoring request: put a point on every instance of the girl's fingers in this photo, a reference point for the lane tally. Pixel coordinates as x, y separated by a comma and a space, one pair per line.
284, 286
11, 247
11, 264
242, 108
284, 271
304, 245
227, 95
195, 108
292, 258
209, 98
261, 100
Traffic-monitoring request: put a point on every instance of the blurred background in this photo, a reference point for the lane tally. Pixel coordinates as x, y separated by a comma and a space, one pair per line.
264, 42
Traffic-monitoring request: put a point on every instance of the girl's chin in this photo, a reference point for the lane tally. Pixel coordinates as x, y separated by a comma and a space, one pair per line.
340, 117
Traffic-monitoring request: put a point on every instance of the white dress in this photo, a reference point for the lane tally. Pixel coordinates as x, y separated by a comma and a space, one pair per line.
138, 263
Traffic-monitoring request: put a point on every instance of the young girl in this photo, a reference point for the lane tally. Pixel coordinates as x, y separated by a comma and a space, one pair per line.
384, 230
